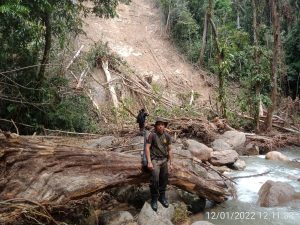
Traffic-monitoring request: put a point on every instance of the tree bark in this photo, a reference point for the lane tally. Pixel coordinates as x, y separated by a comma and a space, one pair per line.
274, 69
201, 57
51, 173
256, 59
47, 48
221, 75
111, 88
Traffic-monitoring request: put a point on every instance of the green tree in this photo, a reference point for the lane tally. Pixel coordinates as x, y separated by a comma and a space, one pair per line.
29, 32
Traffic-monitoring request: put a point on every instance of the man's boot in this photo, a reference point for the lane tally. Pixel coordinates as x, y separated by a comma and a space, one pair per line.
154, 205
163, 200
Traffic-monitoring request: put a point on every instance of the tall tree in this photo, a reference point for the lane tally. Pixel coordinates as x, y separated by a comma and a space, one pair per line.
256, 59
274, 67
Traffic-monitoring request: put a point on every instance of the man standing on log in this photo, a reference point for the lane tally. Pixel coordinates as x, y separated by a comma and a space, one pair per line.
159, 153
141, 119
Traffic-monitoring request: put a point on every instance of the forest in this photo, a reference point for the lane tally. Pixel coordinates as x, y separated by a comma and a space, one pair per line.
251, 44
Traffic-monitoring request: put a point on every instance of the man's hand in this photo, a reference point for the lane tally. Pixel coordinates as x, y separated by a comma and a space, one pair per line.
150, 165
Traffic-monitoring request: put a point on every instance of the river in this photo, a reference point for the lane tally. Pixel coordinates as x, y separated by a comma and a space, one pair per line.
244, 209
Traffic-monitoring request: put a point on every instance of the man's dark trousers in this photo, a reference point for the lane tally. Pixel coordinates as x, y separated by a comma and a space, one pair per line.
159, 178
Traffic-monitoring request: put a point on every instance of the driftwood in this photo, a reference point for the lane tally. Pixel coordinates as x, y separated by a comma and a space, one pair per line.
274, 125
75, 56
110, 86
81, 77
44, 172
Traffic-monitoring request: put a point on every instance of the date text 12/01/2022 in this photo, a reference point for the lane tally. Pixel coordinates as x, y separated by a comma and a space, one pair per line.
246, 215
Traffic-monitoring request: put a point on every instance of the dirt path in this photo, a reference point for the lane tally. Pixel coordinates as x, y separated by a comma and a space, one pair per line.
137, 35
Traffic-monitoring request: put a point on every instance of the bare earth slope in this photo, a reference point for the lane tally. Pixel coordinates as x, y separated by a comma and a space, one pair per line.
138, 36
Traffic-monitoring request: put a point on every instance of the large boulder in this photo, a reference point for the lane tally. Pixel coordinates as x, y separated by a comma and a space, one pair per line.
198, 150
115, 218
136, 143
235, 139
182, 153
163, 216
251, 149
274, 193
239, 165
222, 169
275, 155
102, 142
219, 158
220, 145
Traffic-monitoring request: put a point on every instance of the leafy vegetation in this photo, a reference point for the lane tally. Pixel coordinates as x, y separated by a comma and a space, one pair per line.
237, 41
34, 36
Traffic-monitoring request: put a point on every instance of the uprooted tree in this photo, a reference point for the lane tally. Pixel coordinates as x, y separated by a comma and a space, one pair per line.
47, 173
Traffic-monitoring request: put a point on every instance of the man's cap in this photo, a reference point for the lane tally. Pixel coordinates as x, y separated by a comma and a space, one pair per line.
161, 120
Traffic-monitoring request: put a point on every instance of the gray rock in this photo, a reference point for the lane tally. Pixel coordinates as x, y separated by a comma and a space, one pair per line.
132, 194
137, 143
102, 142
115, 218
239, 165
222, 169
274, 193
167, 213
251, 149
220, 145
163, 215
275, 155
182, 153
177, 146
202, 223
198, 150
219, 158
235, 139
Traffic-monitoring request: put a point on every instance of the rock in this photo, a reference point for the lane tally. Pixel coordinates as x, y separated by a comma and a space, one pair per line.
137, 143
184, 153
251, 149
102, 142
275, 155
132, 194
274, 193
163, 216
220, 145
235, 139
222, 169
219, 158
296, 160
202, 223
115, 218
198, 150
239, 165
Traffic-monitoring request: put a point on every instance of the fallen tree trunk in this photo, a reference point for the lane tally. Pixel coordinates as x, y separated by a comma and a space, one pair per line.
45, 172
52, 173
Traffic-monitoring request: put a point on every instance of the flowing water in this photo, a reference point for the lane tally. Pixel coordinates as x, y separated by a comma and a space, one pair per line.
244, 209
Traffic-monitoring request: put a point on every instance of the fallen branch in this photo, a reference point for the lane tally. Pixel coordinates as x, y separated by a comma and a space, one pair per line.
75, 56
192, 98
50, 130
248, 176
254, 175
15, 126
56, 173
274, 125
110, 86
82, 75
157, 62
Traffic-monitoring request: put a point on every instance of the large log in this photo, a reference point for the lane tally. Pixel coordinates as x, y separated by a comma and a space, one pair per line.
49, 173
